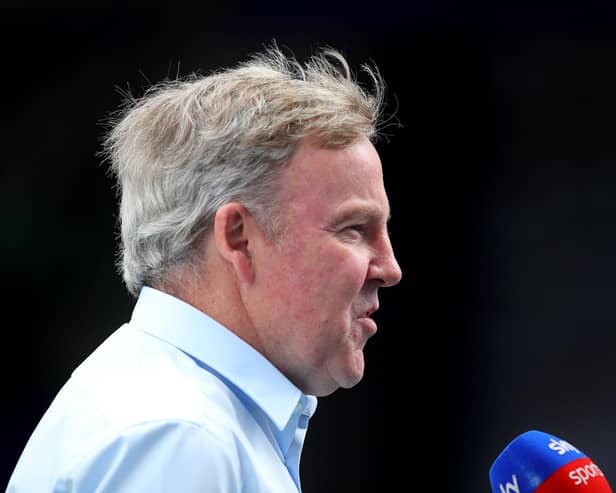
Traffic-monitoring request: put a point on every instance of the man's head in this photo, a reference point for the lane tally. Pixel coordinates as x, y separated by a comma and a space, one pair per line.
256, 195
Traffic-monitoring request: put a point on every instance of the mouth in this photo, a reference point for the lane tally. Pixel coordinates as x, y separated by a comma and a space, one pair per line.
365, 323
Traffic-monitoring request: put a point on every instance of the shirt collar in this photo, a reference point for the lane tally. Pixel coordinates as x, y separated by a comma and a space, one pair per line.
203, 338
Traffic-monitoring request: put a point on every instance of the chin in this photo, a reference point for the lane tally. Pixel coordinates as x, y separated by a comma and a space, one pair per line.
354, 382
339, 382
352, 379
343, 373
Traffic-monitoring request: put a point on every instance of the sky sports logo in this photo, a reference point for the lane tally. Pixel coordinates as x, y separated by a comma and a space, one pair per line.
583, 471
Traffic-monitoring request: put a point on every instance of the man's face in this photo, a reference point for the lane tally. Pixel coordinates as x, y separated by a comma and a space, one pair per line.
316, 288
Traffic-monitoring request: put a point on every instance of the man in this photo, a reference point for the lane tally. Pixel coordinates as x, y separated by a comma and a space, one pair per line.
254, 237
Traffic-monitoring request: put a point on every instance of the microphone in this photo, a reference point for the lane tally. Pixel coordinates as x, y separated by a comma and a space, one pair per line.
537, 462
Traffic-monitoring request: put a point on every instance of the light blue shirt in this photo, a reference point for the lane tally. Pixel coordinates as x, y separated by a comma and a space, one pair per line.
171, 402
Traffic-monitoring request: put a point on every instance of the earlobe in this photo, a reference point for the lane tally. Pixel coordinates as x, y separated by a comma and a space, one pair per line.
232, 238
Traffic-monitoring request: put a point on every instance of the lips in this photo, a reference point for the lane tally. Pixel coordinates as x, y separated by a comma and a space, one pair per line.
368, 325
365, 321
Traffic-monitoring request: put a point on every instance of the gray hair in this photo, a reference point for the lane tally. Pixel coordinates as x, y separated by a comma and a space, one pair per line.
189, 146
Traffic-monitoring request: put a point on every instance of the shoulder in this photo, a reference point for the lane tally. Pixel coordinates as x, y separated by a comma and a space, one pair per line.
137, 387
137, 416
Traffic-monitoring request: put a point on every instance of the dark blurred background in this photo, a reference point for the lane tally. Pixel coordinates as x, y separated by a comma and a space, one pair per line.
502, 181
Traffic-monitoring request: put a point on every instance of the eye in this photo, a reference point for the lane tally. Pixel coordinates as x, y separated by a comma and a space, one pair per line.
360, 228
354, 231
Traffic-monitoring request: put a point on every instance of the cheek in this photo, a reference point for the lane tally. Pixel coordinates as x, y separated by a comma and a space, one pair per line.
323, 287
343, 274
314, 282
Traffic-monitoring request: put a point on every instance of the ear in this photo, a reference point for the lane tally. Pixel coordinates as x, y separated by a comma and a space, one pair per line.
232, 227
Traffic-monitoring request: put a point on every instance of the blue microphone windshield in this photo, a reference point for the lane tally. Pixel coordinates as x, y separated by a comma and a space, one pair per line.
538, 462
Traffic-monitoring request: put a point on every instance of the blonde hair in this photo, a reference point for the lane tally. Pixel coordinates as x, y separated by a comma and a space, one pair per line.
189, 146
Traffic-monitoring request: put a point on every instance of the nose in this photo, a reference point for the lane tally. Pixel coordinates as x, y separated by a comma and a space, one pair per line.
385, 268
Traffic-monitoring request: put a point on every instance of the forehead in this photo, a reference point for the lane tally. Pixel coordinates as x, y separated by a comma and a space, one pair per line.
335, 180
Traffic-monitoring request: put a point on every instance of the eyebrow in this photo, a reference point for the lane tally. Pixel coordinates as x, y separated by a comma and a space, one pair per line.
361, 212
